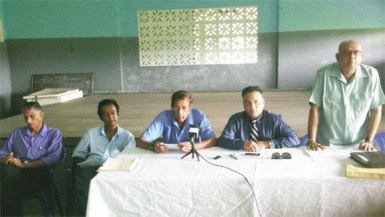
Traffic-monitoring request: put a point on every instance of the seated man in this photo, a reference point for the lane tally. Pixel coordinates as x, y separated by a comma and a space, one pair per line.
96, 146
26, 158
255, 128
174, 126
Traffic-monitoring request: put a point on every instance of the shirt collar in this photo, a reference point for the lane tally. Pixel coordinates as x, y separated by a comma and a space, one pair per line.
101, 130
258, 118
359, 73
338, 73
43, 131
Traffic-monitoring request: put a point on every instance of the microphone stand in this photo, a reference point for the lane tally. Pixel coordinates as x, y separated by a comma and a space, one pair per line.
192, 151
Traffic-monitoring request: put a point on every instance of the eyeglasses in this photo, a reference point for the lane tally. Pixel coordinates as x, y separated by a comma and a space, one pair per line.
285, 155
184, 108
348, 53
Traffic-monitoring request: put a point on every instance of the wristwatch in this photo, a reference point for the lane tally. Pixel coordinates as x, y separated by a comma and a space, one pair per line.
368, 139
26, 164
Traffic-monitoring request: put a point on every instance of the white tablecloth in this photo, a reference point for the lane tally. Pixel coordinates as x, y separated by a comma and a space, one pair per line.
310, 184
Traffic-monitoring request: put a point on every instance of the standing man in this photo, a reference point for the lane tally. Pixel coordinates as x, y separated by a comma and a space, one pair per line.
26, 158
346, 102
174, 126
255, 128
96, 146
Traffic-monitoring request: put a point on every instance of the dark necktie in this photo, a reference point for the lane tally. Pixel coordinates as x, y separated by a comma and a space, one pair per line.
254, 131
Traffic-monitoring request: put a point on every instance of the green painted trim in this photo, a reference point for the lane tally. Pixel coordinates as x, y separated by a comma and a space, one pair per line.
28, 19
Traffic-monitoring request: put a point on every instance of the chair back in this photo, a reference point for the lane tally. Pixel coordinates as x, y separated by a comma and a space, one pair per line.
70, 194
380, 140
303, 140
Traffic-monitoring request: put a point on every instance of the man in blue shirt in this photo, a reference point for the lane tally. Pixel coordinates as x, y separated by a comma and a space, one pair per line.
96, 146
270, 131
26, 158
346, 102
174, 125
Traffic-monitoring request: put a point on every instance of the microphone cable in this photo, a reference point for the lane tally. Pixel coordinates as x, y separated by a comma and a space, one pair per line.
248, 182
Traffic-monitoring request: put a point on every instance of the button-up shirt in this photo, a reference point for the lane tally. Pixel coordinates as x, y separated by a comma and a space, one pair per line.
46, 145
345, 106
165, 125
270, 126
95, 146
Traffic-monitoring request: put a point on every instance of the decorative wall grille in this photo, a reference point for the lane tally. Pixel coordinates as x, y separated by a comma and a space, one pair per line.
198, 36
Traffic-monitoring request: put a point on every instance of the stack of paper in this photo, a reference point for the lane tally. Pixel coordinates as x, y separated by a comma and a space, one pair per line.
53, 95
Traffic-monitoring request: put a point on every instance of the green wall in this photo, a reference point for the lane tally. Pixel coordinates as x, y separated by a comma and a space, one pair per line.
312, 15
2, 16
61, 19
105, 18
117, 18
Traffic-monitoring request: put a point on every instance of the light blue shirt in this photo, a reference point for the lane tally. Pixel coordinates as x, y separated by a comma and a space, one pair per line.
95, 145
345, 106
166, 125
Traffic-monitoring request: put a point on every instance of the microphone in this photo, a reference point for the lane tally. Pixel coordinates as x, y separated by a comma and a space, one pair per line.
193, 132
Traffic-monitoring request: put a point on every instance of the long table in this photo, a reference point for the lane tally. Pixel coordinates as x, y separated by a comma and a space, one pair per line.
309, 184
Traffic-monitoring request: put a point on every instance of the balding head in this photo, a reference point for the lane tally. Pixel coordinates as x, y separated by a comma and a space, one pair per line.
348, 44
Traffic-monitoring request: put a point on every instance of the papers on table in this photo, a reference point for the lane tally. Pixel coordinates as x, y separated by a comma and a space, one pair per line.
330, 153
114, 164
172, 147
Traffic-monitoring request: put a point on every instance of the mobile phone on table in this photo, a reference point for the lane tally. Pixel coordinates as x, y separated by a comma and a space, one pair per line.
252, 153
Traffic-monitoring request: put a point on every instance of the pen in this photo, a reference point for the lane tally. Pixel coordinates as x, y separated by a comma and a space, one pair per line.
232, 156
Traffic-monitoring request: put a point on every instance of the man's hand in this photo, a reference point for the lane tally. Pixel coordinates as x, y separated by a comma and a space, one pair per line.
184, 147
159, 147
367, 146
251, 146
313, 145
10, 159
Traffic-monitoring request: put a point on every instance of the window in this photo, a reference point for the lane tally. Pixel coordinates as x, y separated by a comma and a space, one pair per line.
198, 36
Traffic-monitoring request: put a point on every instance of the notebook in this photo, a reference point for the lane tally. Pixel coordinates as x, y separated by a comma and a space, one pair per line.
357, 171
374, 159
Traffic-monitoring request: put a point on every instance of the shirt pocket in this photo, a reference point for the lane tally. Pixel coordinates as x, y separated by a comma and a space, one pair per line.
333, 103
114, 153
332, 108
360, 103
39, 151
